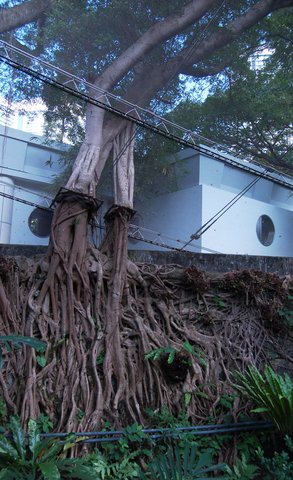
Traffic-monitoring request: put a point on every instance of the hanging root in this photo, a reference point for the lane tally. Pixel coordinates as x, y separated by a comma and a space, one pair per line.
122, 337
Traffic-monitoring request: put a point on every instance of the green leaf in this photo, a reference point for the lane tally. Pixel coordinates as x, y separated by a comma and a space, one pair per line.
50, 470
7, 449
202, 394
259, 410
38, 345
41, 360
34, 437
189, 348
272, 393
187, 398
18, 435
171, 357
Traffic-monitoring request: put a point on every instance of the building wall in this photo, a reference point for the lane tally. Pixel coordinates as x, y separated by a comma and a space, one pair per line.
176, 215
202, 187
205, 187
27, 167
236, 231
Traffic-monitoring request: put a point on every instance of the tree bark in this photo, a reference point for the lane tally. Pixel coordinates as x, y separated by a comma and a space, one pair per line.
123, 168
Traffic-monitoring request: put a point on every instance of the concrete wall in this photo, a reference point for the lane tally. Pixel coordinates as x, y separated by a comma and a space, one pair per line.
176, 214
215, 263
236, 231
206, 262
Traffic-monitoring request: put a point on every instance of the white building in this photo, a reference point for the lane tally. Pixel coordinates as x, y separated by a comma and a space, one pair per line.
23, 115
27, 167
213, 192
208, 191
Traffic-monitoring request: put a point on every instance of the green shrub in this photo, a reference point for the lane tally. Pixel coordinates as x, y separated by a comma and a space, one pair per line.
177, 465
29, 457
106, 469
272, 393
242, 470
280, 465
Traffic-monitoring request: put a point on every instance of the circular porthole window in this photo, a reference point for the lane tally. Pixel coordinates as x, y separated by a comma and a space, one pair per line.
265, 230
39, 222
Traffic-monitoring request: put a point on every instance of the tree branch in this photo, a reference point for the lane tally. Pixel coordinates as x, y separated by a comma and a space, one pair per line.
156, 35
148, 82
14, 17
153, 77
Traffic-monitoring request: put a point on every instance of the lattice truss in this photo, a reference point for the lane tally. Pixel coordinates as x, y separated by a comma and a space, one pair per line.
57, 77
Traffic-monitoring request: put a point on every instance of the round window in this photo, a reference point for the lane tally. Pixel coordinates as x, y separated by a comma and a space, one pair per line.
265, 230
40, 221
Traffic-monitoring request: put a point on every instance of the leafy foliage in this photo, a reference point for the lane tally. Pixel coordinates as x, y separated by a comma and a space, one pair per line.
170, 353
106, 469
30, 457
272, 393
250, 109
177, 465
242, 470
280, 465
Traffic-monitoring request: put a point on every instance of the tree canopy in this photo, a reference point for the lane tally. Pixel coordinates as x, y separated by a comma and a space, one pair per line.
152, 53
250, 107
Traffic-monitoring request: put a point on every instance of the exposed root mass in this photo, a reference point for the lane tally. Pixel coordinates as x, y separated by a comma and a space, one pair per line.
100, 314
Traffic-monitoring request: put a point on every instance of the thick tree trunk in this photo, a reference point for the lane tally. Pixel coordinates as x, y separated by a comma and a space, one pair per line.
88, 166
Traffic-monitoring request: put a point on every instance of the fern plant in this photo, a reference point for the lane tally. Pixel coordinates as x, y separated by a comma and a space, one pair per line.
186, 465
28, 457
242, 470
280, 465
107, 469
272, 393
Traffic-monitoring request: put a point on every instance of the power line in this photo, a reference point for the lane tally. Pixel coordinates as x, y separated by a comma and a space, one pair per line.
124, 148
139, 236
27, 202
221, 212
125, 109
18, 187
203, 34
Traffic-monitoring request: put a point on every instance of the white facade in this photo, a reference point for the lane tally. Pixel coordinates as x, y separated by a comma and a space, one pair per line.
27, 167
25, 116
258, 223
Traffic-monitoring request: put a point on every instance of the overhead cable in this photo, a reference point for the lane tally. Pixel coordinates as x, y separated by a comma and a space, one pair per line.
124, 109
221, 212
134, 236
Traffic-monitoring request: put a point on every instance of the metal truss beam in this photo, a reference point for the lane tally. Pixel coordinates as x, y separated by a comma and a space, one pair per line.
80, 88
